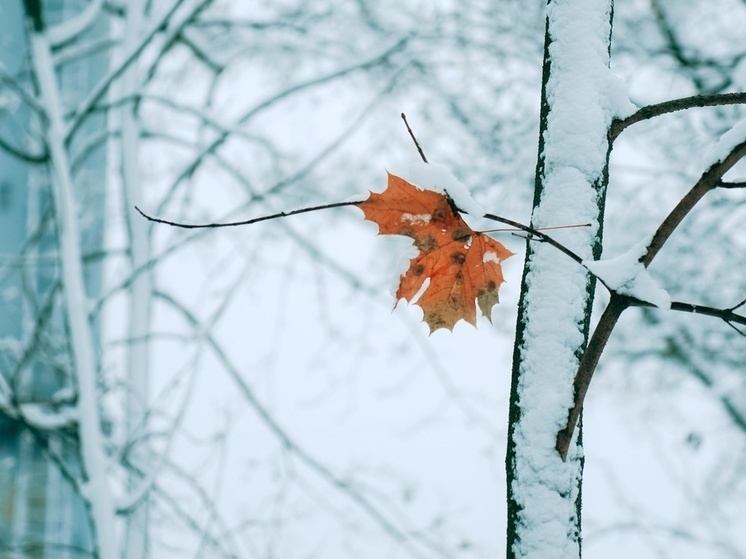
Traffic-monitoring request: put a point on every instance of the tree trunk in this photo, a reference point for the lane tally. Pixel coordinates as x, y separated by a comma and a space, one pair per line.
544, 492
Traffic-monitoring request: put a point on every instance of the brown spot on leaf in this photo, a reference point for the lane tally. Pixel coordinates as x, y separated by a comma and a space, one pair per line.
426, 244
461, 235
458, 258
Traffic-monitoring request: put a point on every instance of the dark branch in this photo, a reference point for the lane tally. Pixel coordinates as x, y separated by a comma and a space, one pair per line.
674, 105
726, 315
535, 234
244, 222
708, 181
723, 184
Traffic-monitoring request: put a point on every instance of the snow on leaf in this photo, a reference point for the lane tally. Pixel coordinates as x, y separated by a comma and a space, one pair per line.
463, 265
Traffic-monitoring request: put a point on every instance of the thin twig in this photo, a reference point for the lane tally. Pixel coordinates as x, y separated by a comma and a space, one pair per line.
538, 234
723, 184
246, 221
411, 135
530, 230
708, 181
734, 307
505, 229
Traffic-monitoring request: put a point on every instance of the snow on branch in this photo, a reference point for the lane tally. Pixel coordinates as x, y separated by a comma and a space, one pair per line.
625, 274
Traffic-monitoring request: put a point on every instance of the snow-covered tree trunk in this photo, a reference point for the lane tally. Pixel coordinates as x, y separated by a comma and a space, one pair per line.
578, 96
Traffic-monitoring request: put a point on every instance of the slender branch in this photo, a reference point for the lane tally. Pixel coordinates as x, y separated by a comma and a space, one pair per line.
741, 304
246, 221
274, 99
414, 139
723, 184
708, 181
726, 315
534, 233
652, 111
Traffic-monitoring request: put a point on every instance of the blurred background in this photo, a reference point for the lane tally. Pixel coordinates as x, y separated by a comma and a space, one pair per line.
253, 393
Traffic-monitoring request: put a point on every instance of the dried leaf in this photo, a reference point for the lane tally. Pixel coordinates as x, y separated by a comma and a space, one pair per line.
463, 265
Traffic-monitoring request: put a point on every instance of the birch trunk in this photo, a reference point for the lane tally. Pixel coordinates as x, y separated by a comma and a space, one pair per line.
96, 486
557, 294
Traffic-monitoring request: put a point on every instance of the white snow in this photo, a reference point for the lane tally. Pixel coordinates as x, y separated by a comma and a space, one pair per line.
416, 219
626, 275
439, 178
490, 257
617, 94
725, 145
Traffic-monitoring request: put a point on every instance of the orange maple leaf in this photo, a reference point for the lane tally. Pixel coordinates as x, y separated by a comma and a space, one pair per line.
463, 265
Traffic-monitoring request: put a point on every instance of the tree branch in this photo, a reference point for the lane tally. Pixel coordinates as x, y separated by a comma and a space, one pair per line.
246, 221
709, 180
723, 184
674, 105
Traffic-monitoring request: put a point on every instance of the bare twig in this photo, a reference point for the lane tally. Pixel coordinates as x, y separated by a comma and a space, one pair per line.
246, 221
274, 99
723, 184
734, 307
709, 180
538, 235
414, 139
